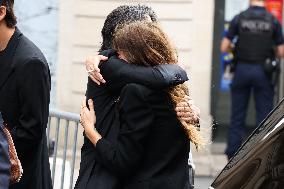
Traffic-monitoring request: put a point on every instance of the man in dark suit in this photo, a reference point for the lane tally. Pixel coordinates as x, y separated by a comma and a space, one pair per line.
4, 160
24, 99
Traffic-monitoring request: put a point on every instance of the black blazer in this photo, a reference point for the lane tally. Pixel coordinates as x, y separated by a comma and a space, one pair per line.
24, 102
117, 74
152, 148
4, 160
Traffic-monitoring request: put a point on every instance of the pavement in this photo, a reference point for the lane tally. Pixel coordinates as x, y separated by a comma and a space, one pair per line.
203, 182
209, 162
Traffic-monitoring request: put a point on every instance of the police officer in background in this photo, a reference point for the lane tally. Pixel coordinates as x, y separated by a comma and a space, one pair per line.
259, 41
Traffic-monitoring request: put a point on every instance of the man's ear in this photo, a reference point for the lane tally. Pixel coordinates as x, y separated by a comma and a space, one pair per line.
2, 13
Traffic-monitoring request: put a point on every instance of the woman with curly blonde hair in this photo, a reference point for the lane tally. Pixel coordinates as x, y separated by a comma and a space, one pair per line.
145, 44
153, 143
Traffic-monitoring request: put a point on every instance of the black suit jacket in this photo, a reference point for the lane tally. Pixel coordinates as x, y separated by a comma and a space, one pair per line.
24, 102
4, 158
117, 74
152, 148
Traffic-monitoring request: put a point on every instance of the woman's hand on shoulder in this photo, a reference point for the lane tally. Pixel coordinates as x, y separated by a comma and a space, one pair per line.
92, 68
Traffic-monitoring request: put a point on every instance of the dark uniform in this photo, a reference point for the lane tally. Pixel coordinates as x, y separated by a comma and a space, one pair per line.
258, 33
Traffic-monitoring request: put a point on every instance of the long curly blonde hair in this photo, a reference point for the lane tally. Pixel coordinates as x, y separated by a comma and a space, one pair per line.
144, 43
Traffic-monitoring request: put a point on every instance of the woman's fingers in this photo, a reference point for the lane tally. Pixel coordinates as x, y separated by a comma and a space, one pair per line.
96, 77
90, 63
187, 98
182, 109
82, 112
87, 115
196, 113
190, 102
83, 103
91, 105
102, 58
92, 67
185, 114
196, 110
187, 111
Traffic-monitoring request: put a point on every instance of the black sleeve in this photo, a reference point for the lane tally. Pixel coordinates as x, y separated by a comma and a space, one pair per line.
4, 159
118, 73
278, 34
233, 30
123, 157
34, 97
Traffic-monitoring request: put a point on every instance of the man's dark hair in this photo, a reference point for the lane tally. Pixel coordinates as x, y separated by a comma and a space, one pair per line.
124, 14
10, 18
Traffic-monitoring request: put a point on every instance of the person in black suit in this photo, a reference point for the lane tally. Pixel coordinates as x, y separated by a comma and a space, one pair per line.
117, 73
24, 99
152, 146
4, 160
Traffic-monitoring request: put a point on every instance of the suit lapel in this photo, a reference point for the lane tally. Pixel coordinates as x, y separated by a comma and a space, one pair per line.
7, 60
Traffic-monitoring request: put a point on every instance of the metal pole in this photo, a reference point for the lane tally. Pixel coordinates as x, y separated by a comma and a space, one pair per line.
68, 117
73, 155
48, 130
64, 153
55, 150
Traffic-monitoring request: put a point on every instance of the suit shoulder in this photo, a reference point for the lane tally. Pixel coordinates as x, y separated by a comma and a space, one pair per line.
35, 62
27, 52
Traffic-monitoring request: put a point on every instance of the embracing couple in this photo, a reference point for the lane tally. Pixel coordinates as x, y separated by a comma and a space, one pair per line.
138, 118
